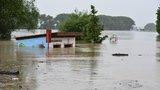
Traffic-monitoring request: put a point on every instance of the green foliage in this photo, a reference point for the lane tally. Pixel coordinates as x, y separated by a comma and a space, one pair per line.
16, 14
158, 20
86, 23
75, 23
93, 29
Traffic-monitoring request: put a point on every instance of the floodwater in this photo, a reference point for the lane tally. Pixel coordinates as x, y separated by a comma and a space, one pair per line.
85, 67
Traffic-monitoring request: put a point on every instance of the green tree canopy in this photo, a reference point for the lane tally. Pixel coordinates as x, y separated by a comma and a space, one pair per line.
75, 22
17, 14
86, 23
93, 29
158, 20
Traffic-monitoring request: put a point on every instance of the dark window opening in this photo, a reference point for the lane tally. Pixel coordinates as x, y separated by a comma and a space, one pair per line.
57, 46
68, 45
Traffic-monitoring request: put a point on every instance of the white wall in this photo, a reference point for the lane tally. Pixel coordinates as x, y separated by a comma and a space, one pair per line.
62, 41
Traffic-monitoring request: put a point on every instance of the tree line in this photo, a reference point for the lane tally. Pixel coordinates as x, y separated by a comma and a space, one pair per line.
116, 23
108, 22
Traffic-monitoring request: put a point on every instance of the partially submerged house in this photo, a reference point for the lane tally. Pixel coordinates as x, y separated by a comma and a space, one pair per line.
58, 40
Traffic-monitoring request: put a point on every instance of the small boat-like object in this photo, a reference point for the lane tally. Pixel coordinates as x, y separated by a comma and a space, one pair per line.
119, 54
113, 38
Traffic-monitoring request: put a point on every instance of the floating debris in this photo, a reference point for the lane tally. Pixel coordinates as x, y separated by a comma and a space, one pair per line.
119, 54
94, 73
139, 54
9, 72
130, 84
15, 78
41, 61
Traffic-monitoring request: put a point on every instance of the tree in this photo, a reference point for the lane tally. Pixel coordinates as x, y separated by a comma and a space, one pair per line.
17, 14
158, 20
86, 23
46, 21
93, 29
150, 27
75, 23
109, 22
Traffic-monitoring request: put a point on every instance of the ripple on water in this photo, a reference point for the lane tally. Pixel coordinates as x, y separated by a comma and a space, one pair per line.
135, 85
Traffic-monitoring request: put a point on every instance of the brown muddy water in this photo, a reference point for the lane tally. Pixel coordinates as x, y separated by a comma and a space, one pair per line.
86, 67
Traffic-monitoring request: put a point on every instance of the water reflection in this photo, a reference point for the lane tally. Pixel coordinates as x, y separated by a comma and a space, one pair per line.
158, 48
7, 50
158, 38
8, 62
65, 60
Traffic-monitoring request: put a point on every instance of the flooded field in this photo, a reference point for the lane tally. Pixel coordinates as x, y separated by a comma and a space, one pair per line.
85, 67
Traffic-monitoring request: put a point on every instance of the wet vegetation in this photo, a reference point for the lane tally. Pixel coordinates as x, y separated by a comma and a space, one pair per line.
86, 23
158, 20
17, 14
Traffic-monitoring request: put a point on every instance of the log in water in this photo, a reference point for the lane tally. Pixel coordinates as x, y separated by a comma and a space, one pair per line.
9, 72
119, 54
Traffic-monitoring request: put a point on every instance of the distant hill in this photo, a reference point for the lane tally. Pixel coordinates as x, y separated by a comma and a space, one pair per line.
109, 22
150, 27
116, 23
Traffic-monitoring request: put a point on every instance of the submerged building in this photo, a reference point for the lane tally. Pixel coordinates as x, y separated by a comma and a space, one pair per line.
58, 40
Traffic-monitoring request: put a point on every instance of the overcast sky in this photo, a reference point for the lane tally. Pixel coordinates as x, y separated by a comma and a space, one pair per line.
141, 11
